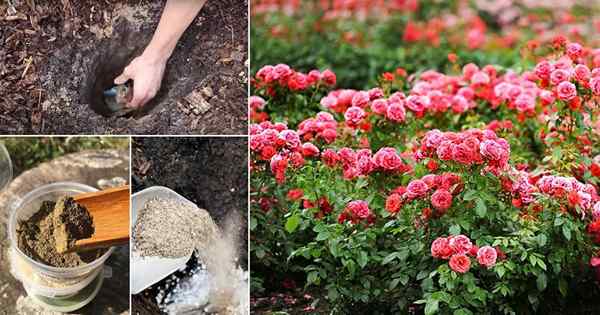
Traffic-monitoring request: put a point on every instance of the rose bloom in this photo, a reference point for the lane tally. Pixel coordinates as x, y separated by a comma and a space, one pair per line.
486, 256
379, 106
441, 200
582, 73
543, 70
330, 158
596, 211
256, 102
559, 75
329, 135
328, 77
566, 91
354, 115
393, 203
460, 244
360, 99
416, 188
440, 248
309, 150
388, 159
595, 85
574, 50
295, 194
396, 112
460, 263
493, 150
359, 209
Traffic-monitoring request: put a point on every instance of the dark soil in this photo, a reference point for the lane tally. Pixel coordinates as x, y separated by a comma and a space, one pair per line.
56, 58
36, 236
211, 172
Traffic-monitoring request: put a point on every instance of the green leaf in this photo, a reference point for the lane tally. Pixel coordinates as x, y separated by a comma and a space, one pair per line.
454, 229
323, 236
480, 207
566, 232
470, 195
362, 259
332, 293
542, 239
562, 286
541, 282
389, 258
462, 311
253, 223
313, 277
292, 223
394, 283
431, 307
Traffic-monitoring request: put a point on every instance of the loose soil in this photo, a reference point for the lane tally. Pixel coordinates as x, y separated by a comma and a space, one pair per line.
56, 59
210, 172
56, 226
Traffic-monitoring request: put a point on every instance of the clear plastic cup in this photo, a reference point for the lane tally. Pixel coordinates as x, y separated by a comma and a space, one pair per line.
47, 280
5, 167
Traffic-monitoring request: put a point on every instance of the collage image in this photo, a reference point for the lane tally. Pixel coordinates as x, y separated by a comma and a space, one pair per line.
283, 157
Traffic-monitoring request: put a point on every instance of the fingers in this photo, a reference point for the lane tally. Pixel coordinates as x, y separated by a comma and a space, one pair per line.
122, 78
142, 93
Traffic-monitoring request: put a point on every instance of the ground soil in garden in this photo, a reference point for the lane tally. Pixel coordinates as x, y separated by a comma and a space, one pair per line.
210, 172
57, 57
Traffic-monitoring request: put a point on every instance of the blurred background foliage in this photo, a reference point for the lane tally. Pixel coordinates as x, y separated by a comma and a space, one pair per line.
28, 152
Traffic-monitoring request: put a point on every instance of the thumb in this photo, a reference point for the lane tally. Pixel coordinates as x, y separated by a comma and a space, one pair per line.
122, 78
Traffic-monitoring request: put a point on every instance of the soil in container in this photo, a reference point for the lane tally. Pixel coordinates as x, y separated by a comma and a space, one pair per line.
49, 232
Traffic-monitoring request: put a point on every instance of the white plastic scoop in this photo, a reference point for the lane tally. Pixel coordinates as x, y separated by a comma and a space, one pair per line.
147, 271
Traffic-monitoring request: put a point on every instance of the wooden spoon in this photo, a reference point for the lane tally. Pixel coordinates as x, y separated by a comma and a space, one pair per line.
110, 213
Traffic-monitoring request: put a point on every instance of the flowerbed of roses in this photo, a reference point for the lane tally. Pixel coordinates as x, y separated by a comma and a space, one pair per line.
468, 192
417, 35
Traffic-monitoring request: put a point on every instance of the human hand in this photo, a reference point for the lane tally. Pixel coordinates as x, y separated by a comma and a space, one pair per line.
147, 73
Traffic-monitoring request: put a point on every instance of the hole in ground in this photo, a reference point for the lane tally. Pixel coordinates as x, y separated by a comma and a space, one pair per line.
114, 54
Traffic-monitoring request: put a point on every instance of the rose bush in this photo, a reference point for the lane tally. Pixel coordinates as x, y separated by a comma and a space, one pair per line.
470, 191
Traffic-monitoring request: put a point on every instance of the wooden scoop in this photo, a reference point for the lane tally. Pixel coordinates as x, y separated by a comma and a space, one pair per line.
110, 213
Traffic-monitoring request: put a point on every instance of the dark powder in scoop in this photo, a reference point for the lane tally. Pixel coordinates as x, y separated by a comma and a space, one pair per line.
53, 229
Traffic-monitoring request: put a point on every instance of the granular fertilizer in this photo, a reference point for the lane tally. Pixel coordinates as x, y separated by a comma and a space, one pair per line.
170, 229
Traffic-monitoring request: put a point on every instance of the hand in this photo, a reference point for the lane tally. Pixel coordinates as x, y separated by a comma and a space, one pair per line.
146, 73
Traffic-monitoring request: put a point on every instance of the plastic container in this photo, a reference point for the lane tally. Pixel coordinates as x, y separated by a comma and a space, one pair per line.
41, 280
146, 271
5, 167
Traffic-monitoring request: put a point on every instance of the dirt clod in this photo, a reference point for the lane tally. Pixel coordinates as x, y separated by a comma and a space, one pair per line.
55, 227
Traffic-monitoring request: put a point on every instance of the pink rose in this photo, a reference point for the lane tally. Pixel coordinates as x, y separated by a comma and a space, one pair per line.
291, 138
441, 200
460, 244
492, 150
582, 73
330, 158
329, 102
354, 115
360, 99
480, 78
388, 159
460, 263
395, 112
379, 106
595, 85
525, 103
547, 97
440, 248
417, 103
359, 209
596, 211
486, 256
309, 150
256, 102
329, 135
543, 70
574, 50
566, 91
463, 153
328, 77
416, 188
559, 75
444, 151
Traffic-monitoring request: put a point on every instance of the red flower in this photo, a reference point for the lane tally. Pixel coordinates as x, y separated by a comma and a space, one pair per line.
460, 263
295, 194
441, 200
595, 169
393, 203
324, 205
432, 165
388, 76
452, 57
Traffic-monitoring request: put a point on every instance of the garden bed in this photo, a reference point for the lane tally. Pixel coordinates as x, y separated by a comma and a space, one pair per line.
57, 59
